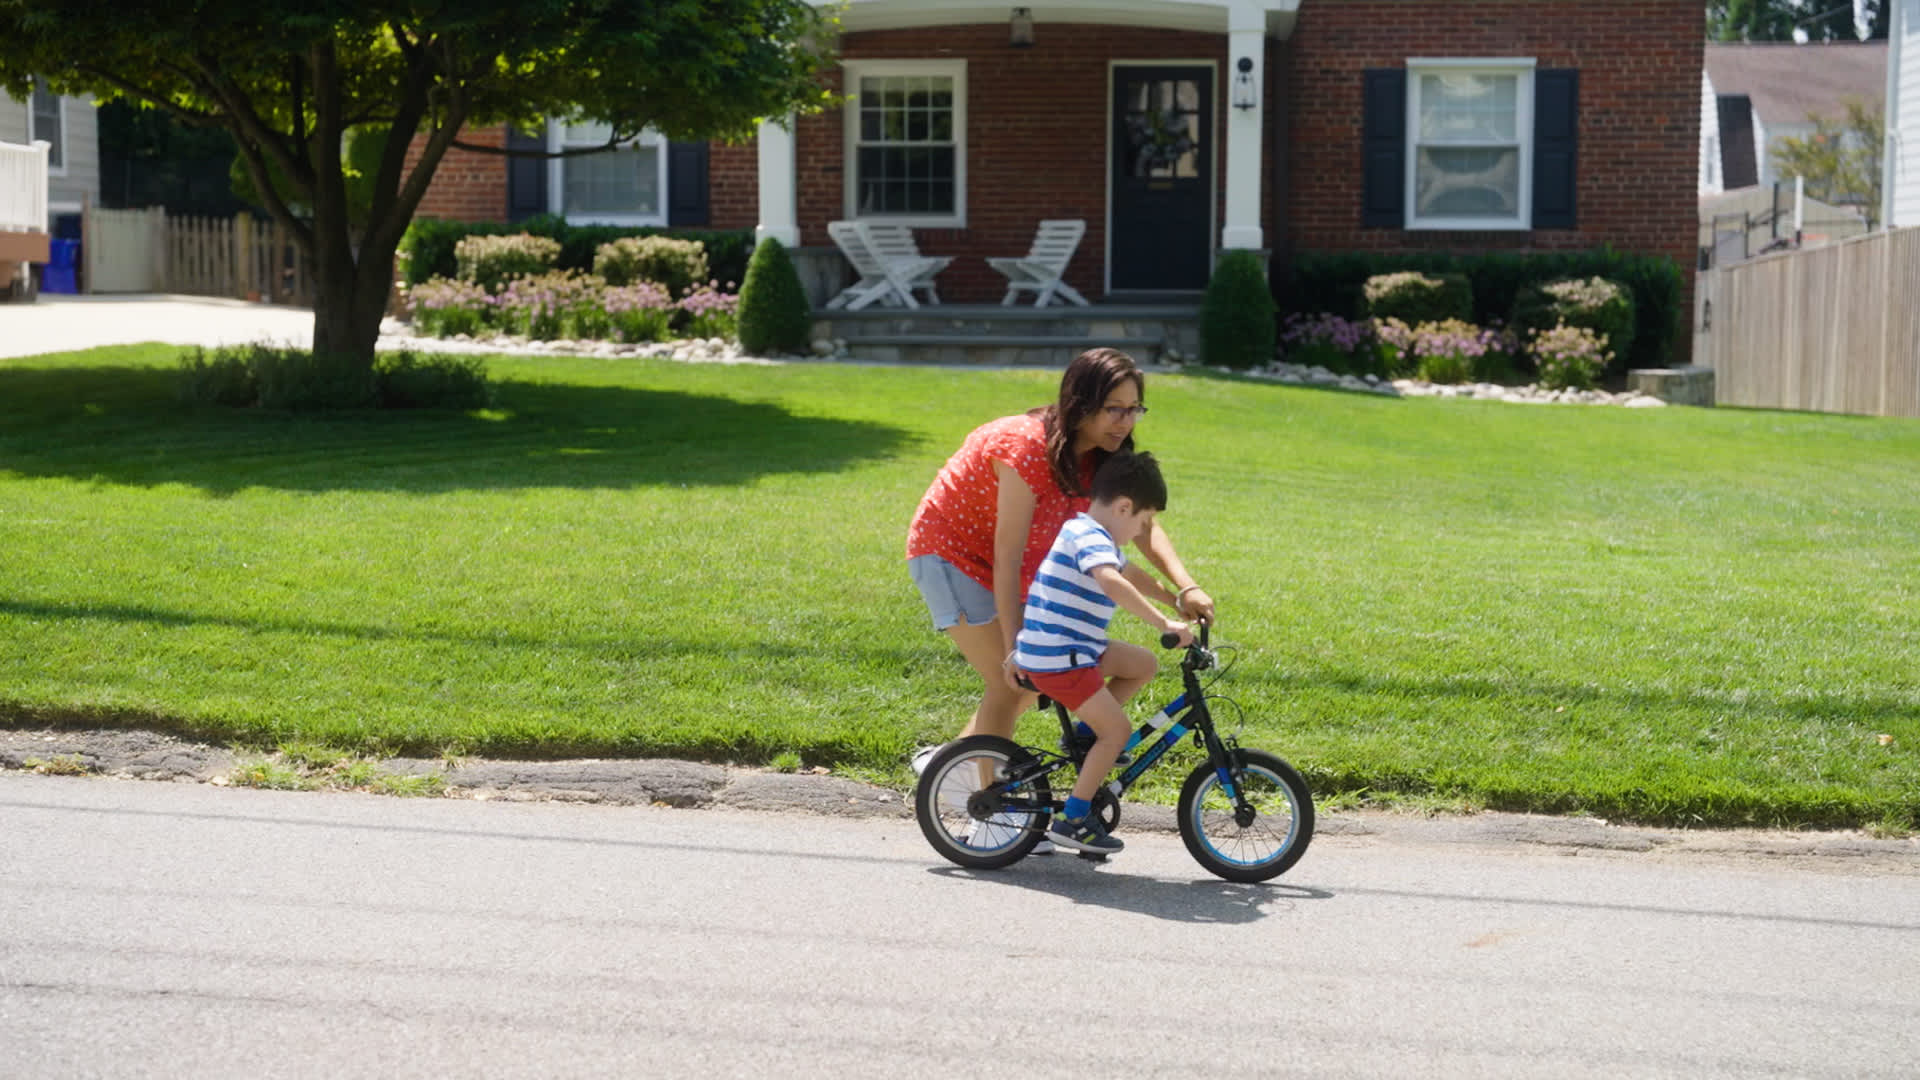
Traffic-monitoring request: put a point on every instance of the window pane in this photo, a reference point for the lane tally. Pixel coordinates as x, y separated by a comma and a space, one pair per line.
905, 161
1162, 125
1468, 107
625, 181
47, 125
905, 180
585, 134
1466, 183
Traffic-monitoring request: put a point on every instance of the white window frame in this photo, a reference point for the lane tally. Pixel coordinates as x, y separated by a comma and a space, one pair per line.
1523, 68
557, 179
60, 111
853, 72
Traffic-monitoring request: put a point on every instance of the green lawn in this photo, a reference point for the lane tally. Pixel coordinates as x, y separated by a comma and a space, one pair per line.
1671, 615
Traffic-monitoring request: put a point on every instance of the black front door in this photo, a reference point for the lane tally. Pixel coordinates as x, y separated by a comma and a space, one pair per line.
1162, 178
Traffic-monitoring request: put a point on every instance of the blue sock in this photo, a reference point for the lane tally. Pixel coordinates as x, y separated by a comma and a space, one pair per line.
1077, 808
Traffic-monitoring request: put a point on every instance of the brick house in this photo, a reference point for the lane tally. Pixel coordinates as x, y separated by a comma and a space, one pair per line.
1180, 128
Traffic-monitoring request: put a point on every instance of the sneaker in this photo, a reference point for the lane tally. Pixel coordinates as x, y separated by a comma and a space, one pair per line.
921, 757
1000, 829
1085, 834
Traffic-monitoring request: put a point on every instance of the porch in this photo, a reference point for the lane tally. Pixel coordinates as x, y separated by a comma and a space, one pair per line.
989, 334
24, 237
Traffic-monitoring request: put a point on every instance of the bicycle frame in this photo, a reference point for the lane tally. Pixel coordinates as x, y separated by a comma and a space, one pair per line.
1184, 714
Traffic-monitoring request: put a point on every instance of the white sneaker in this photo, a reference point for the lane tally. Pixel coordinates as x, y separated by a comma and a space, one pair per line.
1000, 830
922, 756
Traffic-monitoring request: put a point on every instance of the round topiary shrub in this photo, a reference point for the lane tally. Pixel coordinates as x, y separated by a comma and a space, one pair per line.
1415, 298
677, 264
774, 315
1237, 314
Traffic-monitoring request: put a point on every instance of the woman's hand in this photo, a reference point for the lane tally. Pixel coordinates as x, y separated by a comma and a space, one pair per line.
1194, 603
1012, 673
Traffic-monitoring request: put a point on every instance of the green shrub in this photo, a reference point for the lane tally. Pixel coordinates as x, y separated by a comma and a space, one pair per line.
1333, 282
492, 261
224, 378
677, 264
638, 313
407, 380
443, 307
1605, 307
545, 306
1415, 298
773, 313
1237, 327
1568, 357
295, 380
426, 251
709, 313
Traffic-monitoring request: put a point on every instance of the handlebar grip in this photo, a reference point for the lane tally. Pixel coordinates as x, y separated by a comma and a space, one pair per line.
1168, 641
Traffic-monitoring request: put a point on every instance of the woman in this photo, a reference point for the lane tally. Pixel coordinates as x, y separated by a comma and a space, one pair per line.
992, 512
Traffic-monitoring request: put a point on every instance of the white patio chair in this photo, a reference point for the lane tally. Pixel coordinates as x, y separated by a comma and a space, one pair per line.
1040, 269
889, 272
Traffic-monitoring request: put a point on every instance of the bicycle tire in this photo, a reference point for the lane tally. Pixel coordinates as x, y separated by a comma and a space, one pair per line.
1240, 853
951, 778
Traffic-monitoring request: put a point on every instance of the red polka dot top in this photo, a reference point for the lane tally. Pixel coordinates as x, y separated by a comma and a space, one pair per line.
957, 515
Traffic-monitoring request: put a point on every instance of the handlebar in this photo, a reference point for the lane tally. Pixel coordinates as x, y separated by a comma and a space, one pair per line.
1168, 641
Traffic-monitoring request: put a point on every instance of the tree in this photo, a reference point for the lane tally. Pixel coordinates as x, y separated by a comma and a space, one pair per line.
1776, 20
1840, 162
290, 78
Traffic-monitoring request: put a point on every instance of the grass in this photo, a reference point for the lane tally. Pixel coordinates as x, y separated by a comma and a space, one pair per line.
1672, 616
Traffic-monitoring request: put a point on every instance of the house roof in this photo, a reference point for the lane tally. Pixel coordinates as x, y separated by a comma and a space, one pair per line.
1786, 81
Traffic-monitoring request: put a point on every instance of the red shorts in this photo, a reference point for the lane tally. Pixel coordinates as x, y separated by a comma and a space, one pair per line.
1071, 688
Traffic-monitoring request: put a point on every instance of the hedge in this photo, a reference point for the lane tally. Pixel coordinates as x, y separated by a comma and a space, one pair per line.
1332, 282
427, 247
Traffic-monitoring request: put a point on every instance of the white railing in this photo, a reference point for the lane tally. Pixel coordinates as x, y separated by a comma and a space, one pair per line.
23, 187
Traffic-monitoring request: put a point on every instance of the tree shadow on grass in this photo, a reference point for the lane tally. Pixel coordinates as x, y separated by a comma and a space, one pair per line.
126, 425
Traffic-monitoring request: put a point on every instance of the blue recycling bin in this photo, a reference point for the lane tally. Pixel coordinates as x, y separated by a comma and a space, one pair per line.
58, 275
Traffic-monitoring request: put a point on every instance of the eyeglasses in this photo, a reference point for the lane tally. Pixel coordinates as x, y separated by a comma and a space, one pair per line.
1121, 412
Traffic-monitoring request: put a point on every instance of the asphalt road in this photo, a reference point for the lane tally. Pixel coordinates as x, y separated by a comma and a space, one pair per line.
154, 929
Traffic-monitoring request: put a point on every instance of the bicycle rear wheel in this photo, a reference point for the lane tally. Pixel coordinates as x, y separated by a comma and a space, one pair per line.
1247, 846
968, 823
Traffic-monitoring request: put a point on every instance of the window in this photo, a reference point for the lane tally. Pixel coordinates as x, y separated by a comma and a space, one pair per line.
1470, 127
906, 142
626, 186
47, 121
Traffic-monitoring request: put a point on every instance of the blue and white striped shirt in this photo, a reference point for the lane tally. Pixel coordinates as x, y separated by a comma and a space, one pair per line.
1067, 612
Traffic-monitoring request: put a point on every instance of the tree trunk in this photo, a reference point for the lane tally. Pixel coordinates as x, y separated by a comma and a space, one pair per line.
350, 300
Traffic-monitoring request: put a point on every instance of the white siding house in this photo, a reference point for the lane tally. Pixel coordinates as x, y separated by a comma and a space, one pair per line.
1900, 190
70, 125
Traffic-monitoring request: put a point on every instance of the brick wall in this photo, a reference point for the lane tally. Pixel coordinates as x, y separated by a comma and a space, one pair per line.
1639, 140
467, 186
1037, 123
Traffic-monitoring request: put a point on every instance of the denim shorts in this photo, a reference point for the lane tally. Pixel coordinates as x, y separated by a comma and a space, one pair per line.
951, 596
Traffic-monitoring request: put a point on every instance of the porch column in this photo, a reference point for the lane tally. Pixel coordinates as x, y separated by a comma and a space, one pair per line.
778, 201
1246, 40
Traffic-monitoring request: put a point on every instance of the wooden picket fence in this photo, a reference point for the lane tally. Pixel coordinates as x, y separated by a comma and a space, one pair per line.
1832, 329
152, 251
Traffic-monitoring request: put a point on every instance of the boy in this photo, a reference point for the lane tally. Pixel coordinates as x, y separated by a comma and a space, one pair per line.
1062, 647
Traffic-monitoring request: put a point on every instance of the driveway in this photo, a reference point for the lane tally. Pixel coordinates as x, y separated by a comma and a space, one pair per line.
56, 323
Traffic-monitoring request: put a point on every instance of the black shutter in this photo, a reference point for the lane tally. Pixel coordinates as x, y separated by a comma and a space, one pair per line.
1739, 166
526, 177
1384, 144
687, 183
1556, 137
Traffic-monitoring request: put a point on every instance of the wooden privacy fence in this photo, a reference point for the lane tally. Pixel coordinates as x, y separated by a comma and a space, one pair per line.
151, 251
1832, 329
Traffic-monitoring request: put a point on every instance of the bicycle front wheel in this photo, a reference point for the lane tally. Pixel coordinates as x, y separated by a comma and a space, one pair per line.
1254, 838
967, 813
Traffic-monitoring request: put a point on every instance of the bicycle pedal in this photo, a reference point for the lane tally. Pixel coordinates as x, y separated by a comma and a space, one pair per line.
1093, 856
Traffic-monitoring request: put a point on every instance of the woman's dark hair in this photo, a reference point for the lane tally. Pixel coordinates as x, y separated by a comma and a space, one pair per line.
1084, 387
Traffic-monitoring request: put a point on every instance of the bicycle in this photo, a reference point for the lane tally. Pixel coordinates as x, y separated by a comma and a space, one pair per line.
984, 801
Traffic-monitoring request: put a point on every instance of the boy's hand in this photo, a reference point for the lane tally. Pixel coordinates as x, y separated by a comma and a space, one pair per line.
1177, 629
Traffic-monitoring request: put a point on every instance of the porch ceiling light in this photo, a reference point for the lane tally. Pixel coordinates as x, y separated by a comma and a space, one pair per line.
1245, 95
1020, 28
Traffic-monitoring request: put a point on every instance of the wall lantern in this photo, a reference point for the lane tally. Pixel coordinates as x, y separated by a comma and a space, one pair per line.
1020, 28
1244, 94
